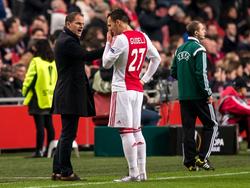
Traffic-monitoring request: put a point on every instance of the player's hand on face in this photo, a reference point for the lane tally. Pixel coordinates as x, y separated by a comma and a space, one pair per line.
109, 36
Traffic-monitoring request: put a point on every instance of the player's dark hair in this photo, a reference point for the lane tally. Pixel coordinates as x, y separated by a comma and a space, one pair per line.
71, 16
192, 27
119, 14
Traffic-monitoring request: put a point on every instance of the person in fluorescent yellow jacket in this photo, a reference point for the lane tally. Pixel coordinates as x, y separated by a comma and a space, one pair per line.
38, 89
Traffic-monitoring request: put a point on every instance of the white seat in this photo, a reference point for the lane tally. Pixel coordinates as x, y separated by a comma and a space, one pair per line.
53, 145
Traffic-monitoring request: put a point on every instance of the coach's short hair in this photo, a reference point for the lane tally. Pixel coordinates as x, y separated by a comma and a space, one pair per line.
71, 16
192, 27
119, 14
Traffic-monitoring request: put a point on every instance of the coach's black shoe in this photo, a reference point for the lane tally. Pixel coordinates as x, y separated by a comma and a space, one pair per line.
204, 164
72, 177
55, 176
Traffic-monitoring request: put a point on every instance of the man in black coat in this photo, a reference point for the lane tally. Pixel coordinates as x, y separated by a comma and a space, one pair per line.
72, 95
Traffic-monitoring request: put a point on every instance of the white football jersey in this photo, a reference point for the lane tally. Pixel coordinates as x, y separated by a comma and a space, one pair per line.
127, 53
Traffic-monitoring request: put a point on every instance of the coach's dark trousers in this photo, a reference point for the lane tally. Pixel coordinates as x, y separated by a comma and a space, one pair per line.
62, 164
190, 110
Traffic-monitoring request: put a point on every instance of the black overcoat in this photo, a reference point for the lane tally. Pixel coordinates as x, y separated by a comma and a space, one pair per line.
72, 93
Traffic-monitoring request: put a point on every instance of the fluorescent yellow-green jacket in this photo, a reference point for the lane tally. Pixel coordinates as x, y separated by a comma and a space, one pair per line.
40, 78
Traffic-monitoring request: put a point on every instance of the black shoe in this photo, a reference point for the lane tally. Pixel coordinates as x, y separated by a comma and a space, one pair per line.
203, 164
55, 176
72, 177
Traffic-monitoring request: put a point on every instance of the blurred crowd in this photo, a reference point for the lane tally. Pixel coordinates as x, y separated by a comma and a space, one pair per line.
23, 22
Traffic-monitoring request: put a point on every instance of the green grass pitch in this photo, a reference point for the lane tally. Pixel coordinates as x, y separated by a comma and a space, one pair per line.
167, 172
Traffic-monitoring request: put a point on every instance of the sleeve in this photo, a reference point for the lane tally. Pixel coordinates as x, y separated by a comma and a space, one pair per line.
111, 54
155, 59
201, 71
173, 70
235, 106
30, 78
74, 50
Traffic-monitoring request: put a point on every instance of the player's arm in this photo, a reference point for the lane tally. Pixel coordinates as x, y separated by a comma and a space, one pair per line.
155, 59
112, 53
77, 52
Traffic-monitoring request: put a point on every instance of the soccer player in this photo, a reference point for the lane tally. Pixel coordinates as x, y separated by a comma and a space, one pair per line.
189, 67
126, 50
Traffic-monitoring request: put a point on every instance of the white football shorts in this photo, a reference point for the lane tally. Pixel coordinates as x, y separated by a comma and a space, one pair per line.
125, 109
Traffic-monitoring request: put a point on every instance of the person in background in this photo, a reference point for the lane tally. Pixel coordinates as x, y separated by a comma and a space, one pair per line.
234, 108
231, 72
19, 72
32, 9
6, 82
2, 11
218, 80
230, 39
58, 15
126, 50
38, 88
246, 73
150, 22
189, 67
13, 53
149, 117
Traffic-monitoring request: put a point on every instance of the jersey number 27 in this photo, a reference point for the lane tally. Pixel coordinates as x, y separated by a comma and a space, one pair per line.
137, 55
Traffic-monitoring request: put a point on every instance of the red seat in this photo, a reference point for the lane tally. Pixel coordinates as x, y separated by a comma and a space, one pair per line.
102, 104
171, 115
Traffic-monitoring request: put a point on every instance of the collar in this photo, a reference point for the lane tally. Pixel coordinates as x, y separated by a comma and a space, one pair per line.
193, 38
60, 11
66, 30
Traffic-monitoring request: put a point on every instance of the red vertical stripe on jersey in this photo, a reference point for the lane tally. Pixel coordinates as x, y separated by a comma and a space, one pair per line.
136, 57
113, 109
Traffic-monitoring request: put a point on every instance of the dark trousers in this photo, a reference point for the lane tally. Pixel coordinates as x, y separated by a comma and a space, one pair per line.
43, 121
149, 117
244, 124
61, 163
190, 110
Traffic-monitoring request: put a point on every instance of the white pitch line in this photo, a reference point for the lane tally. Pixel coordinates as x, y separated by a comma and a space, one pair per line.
23, 177
111, 182
203, 176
